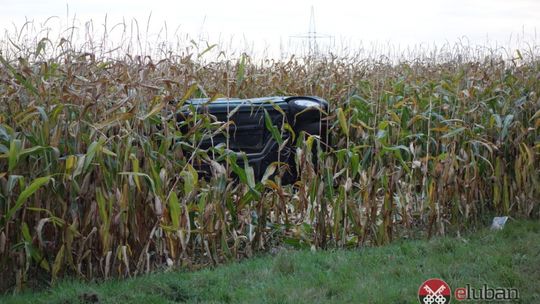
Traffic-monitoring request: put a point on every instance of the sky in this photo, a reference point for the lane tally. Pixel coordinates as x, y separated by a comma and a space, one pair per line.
275, 24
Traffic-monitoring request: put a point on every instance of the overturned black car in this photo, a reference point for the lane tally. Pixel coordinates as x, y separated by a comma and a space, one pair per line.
254, 122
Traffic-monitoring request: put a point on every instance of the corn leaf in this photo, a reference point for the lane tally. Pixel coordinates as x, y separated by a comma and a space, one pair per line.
25, 194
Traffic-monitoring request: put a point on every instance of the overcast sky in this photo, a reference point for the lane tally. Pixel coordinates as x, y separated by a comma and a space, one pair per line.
267, 23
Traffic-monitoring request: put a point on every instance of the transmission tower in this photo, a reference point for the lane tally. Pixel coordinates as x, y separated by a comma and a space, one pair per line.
311, 36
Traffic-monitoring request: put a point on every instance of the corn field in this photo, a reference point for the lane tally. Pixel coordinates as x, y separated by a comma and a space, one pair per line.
98, 180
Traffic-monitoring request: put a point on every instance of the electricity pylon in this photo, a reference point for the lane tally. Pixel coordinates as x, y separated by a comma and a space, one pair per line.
311, 36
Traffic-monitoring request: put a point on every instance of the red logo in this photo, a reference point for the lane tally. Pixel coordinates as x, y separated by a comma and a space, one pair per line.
434, 291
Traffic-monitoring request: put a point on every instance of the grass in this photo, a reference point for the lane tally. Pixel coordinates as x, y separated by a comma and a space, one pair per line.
389, 274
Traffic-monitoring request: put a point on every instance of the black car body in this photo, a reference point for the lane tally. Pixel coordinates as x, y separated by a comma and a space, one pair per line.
250, 128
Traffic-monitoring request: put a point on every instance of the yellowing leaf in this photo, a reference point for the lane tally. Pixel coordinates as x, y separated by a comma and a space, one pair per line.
113, 120
58, 261
70, 163
157, 108
343, 121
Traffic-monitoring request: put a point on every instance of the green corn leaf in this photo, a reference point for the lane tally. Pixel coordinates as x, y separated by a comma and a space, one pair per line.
90, 153
329, 181
506, 125
273, 129
25, 194
102, 206
250, 175
25, 231
241, 173
31, 251
355, 164
34, 150
240, 73
190, 178
453, 132
14, 153
174, 210
135, 167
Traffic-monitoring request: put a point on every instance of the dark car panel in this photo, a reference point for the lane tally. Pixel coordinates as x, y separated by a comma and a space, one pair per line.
248, 132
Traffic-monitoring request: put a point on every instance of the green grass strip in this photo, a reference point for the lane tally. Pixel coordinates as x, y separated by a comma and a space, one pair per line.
389, 274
